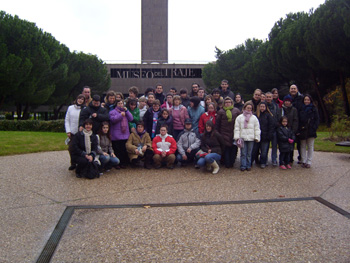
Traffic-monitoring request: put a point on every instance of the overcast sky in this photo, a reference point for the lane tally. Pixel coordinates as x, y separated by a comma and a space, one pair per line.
111, 29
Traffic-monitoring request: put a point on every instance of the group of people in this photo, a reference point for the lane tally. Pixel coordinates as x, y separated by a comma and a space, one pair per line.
159, 129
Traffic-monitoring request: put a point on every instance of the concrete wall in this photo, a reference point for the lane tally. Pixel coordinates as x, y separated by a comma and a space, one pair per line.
154, 38
124, 76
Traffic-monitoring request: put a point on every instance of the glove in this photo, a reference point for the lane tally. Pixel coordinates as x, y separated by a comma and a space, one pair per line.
290, 140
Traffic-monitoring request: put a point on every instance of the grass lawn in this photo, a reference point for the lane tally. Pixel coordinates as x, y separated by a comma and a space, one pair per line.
13, 142
18, 142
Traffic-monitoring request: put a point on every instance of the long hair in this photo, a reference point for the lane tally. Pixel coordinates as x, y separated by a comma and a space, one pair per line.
258, 112
100, 132
210, 124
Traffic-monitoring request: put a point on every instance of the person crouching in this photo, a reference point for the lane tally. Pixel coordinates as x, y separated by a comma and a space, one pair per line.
164, 147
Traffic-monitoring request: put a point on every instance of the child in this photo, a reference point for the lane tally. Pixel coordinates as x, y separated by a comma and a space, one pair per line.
165, 118
105, 149
285, 138
131, 105
142, 106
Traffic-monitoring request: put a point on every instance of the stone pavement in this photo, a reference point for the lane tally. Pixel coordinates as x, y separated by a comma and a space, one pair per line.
180, 215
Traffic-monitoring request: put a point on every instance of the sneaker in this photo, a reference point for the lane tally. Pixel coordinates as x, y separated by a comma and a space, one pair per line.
274, 164
283, 167
242, 169
262, 166
196, 166
100, 174
288, 166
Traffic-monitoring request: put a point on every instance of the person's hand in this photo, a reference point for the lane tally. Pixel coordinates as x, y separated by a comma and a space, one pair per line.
256, 140
81, 128
69, 134
94, 115
89, 157
123, 113
112, 154
184, 157
105, 154
137, 151
209, 151
163, 154
133, 130
290, 140
144, 148
188, 150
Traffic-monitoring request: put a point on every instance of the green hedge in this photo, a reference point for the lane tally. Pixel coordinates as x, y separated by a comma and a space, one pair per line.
32, 125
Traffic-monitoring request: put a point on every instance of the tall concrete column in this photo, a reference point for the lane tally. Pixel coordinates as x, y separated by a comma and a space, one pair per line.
154, 39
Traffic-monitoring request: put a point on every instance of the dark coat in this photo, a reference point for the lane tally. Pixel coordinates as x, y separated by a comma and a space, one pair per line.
168, 122
298, 101
283, 134
308, 117
224, 127
267, 126
228, 93
78, 146
102, 115
215, 142
276, 112
293, 119
148, 120
160, 97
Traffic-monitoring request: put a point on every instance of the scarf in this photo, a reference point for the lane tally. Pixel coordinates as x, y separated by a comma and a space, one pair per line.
168, 105
154, 125
247, 116
141, 133
308, 108
87, 140
228, 112
124, 123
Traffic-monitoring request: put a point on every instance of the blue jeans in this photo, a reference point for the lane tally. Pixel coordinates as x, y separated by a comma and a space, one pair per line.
246, 154
108, 161
209, 158
274, 148
264, 148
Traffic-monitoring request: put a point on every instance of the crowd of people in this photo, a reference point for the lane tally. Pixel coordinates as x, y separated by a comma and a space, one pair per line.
197, 129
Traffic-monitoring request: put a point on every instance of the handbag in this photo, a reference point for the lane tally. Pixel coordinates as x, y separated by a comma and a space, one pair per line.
201, 154
90, 171
240, 143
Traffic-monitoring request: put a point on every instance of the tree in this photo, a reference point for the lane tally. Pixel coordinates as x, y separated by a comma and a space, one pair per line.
328, 40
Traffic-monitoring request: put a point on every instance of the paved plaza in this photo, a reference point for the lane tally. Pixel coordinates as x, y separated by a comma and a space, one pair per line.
180, 215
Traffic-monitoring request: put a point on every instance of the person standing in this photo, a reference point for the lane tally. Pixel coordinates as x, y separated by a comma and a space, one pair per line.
159, 95
95, 112
247, 128
87, 93
195, 110
276, 114
119, 120
225, 124
71, 124
150, 118
225, 90
285, 138
179, 114
308, 125
293, 120
276, 98
267, 128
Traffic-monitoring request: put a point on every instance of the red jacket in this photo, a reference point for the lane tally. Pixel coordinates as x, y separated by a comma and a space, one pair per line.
167, 144
204, 118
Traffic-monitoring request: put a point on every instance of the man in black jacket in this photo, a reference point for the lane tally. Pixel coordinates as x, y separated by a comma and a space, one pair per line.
94, 112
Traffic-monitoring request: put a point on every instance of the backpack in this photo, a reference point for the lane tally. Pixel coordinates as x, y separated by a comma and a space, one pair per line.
90, 171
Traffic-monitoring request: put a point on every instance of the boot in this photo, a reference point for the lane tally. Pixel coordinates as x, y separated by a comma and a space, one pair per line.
208, 166
215, 167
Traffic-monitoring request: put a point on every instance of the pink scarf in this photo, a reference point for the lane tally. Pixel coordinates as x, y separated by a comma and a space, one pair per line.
247, 116
124, 124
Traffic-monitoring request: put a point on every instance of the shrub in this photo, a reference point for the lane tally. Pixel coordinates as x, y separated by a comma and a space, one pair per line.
32, 125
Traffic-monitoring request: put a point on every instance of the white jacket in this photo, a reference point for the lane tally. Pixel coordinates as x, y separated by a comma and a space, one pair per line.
71, 122
251, 133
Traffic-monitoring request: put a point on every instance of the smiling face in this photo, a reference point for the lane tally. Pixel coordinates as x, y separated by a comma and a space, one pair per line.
211, 108
256, 95
80, 101
307, 100
155, 107
293, 90
249, 108
105, 129
111, 100
262, 107
120, 104
88, 126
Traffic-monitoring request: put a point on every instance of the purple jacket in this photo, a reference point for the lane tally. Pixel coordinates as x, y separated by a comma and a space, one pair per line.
115, 119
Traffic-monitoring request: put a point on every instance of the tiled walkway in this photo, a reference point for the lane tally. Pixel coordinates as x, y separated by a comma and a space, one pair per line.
186, 215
